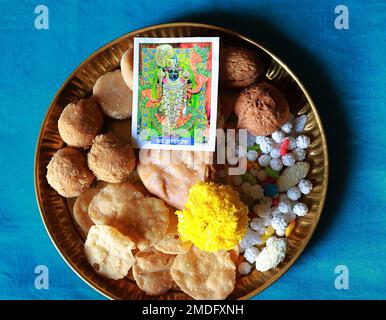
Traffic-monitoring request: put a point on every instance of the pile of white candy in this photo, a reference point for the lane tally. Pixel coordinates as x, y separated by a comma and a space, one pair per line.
288, 208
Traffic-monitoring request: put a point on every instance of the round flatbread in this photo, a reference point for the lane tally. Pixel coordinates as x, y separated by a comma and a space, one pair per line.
144, 220
109, 252
205, 275
151, 271
80, 210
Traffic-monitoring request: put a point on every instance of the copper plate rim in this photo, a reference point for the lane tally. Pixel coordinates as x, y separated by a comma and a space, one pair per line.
211, 27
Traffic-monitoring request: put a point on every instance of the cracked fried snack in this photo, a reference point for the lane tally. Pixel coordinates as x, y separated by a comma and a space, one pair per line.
204, 275
109, 252
151, 271
171, 243
143, 219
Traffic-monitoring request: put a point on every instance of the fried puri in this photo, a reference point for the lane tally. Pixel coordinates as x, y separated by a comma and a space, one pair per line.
171, 243
80, 122
111, 159
172, 181
80, 209
127, 67
68, 174
113, 95
204, 275
109, 252
143, 219
151, 271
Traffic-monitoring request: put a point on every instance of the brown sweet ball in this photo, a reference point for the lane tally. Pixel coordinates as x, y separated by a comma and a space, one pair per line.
240, 67
110, 158
261, 109
68, 173
80, 122
127, 67
113, 95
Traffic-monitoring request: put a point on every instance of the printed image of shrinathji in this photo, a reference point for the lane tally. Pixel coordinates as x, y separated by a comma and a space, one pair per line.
175, 89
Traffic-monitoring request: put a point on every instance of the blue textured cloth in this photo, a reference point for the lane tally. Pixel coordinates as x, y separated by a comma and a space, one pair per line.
344, 71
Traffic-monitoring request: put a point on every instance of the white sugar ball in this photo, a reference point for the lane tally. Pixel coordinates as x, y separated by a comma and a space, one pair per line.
300, 209
291, 143
288, 159
244, 268
294, 193
275, 152
287, 127
259, 139
251, 139
251, 254
299, 154
252, 155
264, 160
276, 164
303, 142
284, 206
278, 136
266, 145
305, 186
261, 175
257, 224
279, 224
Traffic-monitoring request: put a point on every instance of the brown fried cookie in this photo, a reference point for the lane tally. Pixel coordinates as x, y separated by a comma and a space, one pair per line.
205, 275
151, 271
80, 122
68, 174
239, 67
261, 109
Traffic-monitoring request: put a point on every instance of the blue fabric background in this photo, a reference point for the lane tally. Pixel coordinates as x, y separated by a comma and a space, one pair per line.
343, 69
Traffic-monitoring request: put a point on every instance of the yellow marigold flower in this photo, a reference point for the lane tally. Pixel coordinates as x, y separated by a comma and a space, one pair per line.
214, 218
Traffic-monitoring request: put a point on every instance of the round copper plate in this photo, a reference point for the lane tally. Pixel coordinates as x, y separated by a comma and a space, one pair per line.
56, 211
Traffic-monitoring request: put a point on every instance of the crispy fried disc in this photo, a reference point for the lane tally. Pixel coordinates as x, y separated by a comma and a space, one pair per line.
80, 209
170, 179
109, 252
151, 271
110, 201
205, 275
171, 243
144, 220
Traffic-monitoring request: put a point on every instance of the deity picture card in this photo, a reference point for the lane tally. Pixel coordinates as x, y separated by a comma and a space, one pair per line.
175, 87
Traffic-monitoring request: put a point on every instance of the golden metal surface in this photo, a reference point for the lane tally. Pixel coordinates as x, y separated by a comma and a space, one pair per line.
56, 211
